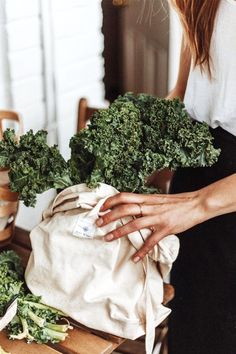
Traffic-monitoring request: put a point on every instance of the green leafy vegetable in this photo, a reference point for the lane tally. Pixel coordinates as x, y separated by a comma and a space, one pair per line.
134, 137
122, 146
34, 321
34, 166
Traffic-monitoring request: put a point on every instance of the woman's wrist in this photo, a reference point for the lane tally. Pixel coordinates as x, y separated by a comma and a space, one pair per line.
200, 212
219, 198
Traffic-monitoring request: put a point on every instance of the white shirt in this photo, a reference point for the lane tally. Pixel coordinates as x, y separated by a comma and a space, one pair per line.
214, 100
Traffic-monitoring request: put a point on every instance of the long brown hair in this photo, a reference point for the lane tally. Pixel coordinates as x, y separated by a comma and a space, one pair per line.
198, 17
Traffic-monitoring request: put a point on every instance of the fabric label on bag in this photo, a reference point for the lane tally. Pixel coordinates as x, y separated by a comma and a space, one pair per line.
84, 227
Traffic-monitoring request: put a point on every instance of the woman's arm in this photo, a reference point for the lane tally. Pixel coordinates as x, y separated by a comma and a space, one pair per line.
220, 197
184, 68
168, 214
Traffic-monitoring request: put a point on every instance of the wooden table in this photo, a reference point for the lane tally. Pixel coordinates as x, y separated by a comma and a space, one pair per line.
81, 340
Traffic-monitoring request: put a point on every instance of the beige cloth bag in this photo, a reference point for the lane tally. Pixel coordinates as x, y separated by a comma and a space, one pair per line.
93, 281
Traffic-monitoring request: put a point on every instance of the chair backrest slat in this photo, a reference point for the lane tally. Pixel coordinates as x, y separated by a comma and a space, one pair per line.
84, 113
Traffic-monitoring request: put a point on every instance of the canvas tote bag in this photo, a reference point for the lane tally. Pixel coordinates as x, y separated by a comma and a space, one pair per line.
93, 281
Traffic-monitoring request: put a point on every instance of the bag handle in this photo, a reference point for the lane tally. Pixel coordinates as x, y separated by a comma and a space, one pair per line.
80, 195
150, 323
69, 193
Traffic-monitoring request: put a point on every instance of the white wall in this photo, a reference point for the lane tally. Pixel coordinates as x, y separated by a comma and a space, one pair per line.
79, 65
25, 61
50, 56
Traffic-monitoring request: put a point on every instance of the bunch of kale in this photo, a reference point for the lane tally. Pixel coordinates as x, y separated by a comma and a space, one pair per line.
122, 146
34, 321
134, 137
34, 167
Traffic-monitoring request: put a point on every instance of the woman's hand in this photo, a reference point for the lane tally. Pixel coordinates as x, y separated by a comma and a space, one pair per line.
163, 214
168, 214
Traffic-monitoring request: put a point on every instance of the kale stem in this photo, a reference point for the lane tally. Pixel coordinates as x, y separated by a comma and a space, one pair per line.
55, 335
36, 319
24, 333
58, 327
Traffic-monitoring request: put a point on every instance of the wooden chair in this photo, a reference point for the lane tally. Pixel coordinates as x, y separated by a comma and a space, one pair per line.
10, 117
130, 347
84, 113
8, 199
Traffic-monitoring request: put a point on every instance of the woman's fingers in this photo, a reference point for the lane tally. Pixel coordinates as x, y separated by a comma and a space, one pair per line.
119, 212
130, 227
132, 198
122, 198
135, 225
124, 210
169, 214
148, 245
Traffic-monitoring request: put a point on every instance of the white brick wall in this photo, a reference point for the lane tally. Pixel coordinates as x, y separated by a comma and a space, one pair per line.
79, 65
25, 63
16, 9
50, 56
25, 60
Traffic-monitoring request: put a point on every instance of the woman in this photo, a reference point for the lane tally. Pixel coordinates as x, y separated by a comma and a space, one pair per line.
202, 208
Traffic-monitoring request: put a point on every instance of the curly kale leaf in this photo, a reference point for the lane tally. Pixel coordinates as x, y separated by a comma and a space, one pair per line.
134, 137
13, 263
122, 146
113, 136
34, 166
11, 278
169, 130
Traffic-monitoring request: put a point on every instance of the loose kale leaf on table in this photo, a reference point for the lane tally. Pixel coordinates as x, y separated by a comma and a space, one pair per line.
33, 321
